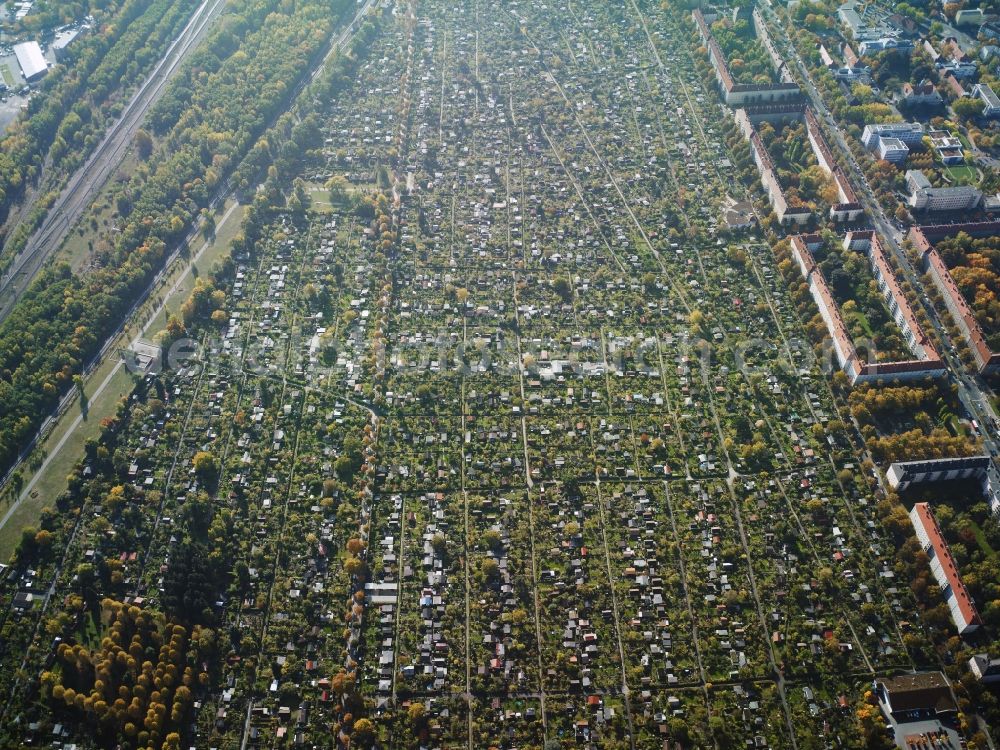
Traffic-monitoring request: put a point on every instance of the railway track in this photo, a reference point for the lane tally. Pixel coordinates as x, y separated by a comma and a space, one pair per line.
90, 178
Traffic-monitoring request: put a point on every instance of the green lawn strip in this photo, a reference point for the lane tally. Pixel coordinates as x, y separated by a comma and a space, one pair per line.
963, 174
53, 479
224, 235
862, 320
984, 545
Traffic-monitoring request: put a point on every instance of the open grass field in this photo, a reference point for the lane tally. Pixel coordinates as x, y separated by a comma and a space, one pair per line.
962, 174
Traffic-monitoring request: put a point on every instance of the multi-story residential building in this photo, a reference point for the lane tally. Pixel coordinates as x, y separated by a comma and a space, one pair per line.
904, 473
849, 207
963, 609
740, 94
768, 177
923, 238
926, 362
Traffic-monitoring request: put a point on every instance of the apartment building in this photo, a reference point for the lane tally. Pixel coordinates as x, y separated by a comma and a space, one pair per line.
962, 608
740, 94
923, 238
926, 361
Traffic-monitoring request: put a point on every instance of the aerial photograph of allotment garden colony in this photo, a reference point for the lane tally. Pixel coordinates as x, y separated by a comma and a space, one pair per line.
499, 374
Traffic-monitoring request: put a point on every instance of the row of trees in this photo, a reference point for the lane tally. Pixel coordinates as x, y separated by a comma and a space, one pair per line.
66, 122
62, 320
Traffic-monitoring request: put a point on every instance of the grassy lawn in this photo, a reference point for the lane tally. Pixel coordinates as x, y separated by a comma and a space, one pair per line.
981, 539
8, 77
320, 196
962, 174
862, 320
90, 636
52, 480
76, 248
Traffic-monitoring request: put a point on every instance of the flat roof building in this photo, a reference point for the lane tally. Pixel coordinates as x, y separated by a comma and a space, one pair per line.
909, 133
927, 693
30, 59
892, 150
923, 197
969, 17
904, 473
66, 39
985, 92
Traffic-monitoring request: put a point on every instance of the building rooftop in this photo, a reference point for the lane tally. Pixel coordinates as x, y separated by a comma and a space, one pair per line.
911, 692
917, 179
29, 57
895, 127
889, 142
923, 514
986, 92
943, 464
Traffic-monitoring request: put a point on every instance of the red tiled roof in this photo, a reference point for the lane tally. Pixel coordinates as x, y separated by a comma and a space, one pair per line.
922, 238
962, 598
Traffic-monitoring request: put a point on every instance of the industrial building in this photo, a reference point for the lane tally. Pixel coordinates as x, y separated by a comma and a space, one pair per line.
30, 59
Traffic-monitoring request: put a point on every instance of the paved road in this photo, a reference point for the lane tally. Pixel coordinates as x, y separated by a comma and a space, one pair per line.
972, 391
92, 176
